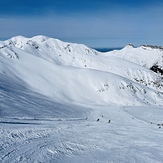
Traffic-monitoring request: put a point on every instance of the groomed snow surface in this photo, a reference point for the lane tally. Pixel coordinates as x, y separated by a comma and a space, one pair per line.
67, 103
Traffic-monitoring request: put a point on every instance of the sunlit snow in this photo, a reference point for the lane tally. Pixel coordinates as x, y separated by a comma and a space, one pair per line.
64, 102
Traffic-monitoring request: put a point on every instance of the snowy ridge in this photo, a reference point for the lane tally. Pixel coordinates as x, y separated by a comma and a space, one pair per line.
145, 55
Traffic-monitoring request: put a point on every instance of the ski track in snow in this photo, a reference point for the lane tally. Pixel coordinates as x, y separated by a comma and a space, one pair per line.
122, 140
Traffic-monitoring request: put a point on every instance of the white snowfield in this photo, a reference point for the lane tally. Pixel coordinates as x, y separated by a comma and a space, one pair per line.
67, 103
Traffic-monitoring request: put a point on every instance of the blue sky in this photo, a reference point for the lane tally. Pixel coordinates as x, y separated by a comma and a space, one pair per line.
96, 23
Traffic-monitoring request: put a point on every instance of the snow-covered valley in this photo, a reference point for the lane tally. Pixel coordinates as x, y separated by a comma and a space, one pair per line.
64, 102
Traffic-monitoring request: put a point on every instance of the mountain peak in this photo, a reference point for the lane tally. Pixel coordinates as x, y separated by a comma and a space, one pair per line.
40, 38
129, 46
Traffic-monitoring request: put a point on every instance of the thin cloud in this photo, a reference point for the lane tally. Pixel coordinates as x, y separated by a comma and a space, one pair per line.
121, 25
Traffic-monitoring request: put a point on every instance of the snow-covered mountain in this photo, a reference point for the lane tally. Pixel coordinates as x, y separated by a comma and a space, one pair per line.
72, 72
65, 102
146, 55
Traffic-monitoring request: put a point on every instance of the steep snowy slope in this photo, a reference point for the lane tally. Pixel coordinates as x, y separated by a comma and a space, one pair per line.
79, 55
18, 101
104, 80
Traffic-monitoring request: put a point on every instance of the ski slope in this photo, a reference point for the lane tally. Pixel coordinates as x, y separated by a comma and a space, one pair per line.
130, 137
65, 102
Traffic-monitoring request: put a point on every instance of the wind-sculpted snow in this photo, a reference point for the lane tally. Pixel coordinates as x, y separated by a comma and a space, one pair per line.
65, 102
